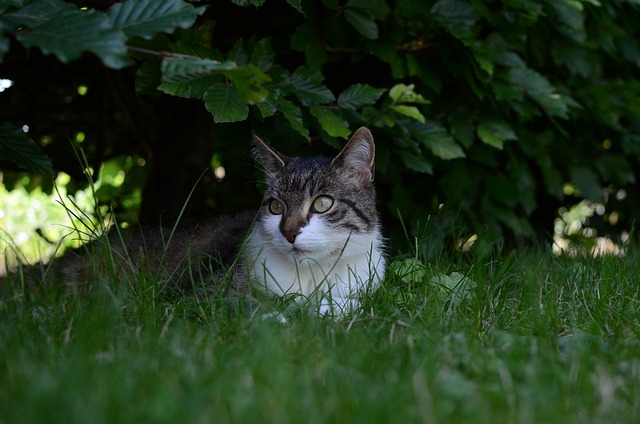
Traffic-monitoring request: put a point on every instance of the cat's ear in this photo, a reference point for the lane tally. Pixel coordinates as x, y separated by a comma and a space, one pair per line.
267, 156
357, 157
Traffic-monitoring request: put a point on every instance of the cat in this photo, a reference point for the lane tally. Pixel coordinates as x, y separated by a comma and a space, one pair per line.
316, 237
318, 233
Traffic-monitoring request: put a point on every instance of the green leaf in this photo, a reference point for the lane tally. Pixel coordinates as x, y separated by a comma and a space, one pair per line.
484, 58
190, 78
331, 123
504, 90
238, 54
495, 133
199, 34
297, 4
69, 32
195, 50
489, 137
519, 225
308, 90
376, 8
148, 77
181, 66
455, 287
401, 93
629, 48
575, 58
454, 11
410, 111
306, 39
5, 4
17, 147
268, 107
262, 55
415, 162
225, 104
36, 12
615, 168
445, 148
435, 138
462, 128
410, 270
362, 23
571, 20
588, 183
146, 18
188, 86
536, 86
357, 95
457, 16
293, 115
249, 81
385, 49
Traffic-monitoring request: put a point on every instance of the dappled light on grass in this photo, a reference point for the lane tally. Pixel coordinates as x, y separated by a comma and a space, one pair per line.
36, 226
573, 235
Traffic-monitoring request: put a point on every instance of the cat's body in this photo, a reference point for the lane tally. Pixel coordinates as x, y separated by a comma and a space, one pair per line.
316, 236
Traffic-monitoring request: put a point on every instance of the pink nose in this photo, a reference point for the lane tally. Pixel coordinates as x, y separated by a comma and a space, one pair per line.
290, 235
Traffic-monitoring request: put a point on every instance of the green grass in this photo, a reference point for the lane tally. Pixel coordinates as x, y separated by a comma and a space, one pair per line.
514, 338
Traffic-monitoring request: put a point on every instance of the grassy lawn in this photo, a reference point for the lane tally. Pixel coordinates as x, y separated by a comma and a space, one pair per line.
517, 338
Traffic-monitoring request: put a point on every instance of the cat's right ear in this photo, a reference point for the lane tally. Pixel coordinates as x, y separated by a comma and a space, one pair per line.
357, 157
267, 156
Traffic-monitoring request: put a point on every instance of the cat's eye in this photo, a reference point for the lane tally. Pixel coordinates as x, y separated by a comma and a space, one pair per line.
322, 204
276, 207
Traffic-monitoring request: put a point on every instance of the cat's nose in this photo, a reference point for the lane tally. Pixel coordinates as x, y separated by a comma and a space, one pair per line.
290, 235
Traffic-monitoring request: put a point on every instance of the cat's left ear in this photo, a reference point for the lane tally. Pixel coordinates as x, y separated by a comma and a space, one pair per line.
358, 156
267, 156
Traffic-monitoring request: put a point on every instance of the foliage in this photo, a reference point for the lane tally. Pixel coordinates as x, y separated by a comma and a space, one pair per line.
525, 337
501, 111
22, 150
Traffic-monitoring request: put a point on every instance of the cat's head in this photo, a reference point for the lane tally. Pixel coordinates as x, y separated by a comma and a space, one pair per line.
312, 207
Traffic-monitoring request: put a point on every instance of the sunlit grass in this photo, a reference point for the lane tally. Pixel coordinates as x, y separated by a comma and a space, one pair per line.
481, 337
35, 225
468, 334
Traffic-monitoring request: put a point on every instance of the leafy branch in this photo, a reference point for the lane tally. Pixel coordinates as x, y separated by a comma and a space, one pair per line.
509, 110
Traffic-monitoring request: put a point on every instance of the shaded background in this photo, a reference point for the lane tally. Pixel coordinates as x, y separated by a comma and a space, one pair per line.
533, 107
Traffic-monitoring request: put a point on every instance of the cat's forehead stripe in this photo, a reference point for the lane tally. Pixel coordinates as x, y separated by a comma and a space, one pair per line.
357, 210
306, 175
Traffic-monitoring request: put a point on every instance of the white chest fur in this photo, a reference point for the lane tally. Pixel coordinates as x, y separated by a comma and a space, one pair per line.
331, 269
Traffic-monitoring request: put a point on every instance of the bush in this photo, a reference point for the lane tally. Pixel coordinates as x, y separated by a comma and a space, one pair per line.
502, 111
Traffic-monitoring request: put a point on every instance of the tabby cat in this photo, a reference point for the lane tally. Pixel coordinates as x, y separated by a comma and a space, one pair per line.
318, 233
316, 237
